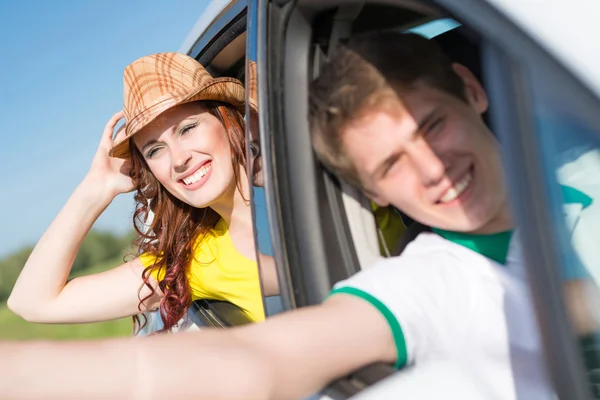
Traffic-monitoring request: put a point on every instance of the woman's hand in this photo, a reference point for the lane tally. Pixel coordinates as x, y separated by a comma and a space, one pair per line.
110, 174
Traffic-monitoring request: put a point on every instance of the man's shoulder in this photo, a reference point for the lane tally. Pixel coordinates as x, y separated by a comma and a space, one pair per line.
431, 246
422, 256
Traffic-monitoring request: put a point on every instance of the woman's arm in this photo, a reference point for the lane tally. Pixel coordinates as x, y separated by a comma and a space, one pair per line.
42, 294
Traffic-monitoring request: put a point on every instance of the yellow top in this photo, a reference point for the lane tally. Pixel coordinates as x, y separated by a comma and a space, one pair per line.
391, 225
220, 272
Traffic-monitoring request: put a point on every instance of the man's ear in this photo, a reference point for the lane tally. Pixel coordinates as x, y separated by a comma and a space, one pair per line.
380, 202
474, 91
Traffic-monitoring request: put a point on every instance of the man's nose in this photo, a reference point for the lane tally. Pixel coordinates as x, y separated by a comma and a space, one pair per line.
430, 167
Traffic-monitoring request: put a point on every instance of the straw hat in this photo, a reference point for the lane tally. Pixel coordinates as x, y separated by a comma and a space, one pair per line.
158, 82
252, 85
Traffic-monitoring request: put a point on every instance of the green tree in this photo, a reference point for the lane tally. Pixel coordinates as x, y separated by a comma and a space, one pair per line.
96, 248
10, 267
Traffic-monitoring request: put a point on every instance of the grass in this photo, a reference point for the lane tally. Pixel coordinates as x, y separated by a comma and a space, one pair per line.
13, 327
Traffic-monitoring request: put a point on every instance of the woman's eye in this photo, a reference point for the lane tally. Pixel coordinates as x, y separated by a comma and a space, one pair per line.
187, 128
151, 152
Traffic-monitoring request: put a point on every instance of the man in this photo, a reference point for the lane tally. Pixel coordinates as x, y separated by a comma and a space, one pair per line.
390, 114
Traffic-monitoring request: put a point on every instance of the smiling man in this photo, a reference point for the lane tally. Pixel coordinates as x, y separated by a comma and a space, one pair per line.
392, 115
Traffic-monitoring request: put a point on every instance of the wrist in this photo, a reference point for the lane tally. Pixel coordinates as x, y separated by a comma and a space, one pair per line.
95, 191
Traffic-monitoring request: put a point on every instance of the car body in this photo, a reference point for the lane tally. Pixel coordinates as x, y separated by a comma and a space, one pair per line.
534, 57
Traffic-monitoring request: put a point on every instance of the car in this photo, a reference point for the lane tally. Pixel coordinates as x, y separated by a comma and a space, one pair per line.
541, 69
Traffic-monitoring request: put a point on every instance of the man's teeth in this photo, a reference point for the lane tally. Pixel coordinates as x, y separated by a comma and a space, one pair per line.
457, 189
197, 175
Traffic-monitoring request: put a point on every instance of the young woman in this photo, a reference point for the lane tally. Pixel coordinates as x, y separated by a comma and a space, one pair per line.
183, 152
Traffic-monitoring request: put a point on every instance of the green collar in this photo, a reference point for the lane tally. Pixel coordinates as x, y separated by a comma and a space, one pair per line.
493, 246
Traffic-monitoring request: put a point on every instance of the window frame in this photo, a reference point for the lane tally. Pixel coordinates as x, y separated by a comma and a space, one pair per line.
209, 38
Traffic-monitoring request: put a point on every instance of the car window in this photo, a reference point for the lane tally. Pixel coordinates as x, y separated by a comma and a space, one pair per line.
434, 28
223, 52
570, 152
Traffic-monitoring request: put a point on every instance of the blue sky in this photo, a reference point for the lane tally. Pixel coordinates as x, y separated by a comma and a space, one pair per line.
60, 81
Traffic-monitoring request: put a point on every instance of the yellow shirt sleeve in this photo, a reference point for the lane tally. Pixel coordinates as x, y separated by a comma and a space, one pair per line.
148, 260
391, 225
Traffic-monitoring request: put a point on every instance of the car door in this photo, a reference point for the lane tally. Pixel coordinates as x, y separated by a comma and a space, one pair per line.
322, 222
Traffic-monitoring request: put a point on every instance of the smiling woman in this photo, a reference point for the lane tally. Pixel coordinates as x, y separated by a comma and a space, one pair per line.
182, 150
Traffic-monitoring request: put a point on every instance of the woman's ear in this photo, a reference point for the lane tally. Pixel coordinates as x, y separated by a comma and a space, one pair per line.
474, 92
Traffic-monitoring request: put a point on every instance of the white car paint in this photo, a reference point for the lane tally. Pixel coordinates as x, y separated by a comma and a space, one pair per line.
566, 29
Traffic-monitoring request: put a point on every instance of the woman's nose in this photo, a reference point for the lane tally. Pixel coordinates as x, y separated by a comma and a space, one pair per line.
180, 157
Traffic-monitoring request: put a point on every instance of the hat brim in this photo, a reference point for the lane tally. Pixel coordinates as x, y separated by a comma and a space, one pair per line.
226, 90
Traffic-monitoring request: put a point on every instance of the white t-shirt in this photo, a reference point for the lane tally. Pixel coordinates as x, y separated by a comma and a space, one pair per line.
444, 301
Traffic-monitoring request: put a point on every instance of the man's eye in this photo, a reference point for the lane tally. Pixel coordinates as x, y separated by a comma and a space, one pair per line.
390, 166
436, 124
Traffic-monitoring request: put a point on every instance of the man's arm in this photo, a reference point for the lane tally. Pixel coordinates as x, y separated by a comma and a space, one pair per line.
287, 357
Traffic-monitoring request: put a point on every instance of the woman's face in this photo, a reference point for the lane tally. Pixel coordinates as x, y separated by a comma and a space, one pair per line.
188, 152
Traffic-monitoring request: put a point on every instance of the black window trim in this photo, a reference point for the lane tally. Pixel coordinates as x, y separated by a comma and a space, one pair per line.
206, 41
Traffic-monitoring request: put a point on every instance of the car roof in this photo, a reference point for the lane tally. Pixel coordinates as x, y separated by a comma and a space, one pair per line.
560, 27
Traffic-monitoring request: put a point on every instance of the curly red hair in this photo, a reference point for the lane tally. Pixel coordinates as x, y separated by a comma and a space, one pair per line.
176, 226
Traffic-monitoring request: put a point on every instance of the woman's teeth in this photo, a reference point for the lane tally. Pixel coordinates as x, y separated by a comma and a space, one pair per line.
456, 189
197, 175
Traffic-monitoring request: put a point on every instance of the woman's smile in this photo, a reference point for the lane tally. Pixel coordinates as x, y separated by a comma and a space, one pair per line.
197, 178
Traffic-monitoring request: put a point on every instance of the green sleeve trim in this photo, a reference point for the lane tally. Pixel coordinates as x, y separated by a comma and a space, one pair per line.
389, 317
572, 195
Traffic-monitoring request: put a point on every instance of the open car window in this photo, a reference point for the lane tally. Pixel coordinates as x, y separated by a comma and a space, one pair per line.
345, 228
220, 45
328, 229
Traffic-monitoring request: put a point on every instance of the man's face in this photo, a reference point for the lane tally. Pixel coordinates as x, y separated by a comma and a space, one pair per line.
431, 156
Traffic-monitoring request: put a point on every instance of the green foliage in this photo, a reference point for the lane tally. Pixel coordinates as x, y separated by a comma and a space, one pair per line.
14, 327
96, 248
10, 267
99, 251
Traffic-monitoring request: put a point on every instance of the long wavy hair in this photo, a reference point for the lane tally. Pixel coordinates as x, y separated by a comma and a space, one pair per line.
176, 227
